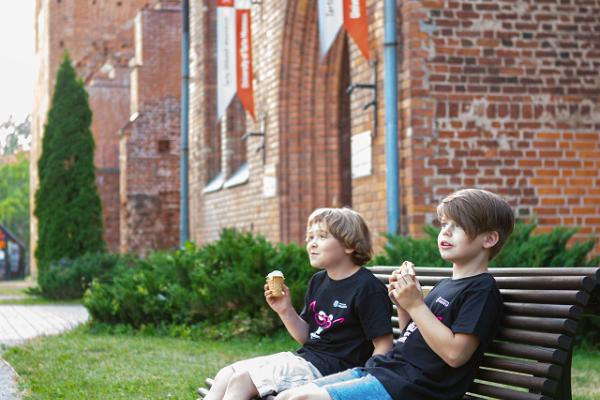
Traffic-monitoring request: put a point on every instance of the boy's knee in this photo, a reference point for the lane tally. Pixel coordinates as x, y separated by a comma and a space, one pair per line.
225, 373
306, 392
287, 395
238, 378
295, 396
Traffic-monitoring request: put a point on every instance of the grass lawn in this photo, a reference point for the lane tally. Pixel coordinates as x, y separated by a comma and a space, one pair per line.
15, 292
16, 287
84, 365
585, 375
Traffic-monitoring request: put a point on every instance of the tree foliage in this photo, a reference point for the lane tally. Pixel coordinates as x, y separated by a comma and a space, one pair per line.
67, 204
14, 198
15, 137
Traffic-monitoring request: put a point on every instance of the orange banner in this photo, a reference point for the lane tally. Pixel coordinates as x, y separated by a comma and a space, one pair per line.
356, 24
245, 75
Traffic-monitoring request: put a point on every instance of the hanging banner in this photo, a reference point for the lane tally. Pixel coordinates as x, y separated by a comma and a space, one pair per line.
245, 75
331, 20
352, 14
226, 55
357, 24
234, 55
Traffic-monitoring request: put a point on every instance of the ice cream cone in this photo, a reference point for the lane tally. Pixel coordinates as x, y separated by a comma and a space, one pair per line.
275, 282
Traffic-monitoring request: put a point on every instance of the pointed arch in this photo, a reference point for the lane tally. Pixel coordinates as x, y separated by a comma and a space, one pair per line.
314, 151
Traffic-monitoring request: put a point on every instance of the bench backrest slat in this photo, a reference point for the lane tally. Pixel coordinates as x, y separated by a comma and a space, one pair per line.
555, 325
496, 392
534, 368
543, 385
580, 297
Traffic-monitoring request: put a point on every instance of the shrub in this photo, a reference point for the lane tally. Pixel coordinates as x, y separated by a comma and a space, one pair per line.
522, 249
215, 283
69, 279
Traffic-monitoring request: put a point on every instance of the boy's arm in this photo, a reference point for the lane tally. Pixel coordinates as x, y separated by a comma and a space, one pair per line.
454, 348
383, 344
282, 305
296, 326
403, 318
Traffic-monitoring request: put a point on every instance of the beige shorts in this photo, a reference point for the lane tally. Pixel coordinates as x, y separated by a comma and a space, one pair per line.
277, 372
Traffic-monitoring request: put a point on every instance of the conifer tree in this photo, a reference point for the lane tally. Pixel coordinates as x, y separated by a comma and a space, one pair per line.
67, 204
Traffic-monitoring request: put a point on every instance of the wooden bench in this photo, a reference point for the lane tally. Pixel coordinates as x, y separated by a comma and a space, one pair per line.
530, 359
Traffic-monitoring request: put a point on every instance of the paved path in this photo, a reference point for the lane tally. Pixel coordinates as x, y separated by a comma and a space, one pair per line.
19, 323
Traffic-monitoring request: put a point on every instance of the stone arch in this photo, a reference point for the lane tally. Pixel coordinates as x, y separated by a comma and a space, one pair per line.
314, 138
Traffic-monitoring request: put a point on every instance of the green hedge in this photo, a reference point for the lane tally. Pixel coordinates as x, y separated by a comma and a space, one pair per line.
69, 279
523, 249
220, 284
214, 283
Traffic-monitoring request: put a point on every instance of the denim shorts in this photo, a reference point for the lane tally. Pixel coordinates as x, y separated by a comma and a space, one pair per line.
353, 384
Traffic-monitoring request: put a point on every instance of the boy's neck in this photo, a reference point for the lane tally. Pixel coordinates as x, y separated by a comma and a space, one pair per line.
469, 268
341, 271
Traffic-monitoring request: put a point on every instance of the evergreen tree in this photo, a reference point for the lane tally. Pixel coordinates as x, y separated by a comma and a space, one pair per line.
67, 204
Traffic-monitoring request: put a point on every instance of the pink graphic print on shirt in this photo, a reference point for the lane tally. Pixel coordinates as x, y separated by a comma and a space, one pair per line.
323, 320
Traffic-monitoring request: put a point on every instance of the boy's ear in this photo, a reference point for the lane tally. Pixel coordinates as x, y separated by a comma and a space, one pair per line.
348, 250
490, 239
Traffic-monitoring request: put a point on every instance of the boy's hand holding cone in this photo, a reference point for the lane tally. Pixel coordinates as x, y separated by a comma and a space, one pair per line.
400, 282
276, 293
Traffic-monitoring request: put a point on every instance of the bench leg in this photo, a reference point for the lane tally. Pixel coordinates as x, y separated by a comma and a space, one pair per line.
564, 389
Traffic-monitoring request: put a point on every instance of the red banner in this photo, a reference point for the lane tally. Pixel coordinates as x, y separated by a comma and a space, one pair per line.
245, 75
234, 55
357, 24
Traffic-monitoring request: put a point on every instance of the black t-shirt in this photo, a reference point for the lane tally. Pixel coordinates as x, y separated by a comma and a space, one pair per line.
411, 370
344, 316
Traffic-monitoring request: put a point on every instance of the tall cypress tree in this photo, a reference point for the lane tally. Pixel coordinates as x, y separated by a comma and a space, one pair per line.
67, 204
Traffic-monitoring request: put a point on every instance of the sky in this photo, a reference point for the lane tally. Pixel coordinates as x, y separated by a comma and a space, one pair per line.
17, 61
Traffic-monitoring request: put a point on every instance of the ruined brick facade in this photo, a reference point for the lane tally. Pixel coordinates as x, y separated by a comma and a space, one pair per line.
150, 143
100, 38
500, 95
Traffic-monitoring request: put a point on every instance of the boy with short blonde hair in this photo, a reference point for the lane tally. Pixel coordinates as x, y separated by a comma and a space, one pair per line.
444, 336
345, 319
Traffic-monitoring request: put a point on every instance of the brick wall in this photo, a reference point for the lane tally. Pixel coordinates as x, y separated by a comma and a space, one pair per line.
109, 101
150, 144
498, 95
309, 120
243, 206
504, 95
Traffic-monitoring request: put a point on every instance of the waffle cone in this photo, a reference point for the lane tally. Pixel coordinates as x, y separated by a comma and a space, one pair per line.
275, 284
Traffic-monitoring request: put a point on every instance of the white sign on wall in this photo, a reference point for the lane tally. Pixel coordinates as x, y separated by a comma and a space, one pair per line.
270, 181
362, 149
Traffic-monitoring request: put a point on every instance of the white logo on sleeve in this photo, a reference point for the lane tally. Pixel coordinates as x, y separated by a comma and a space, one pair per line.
442, 301
339, 304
